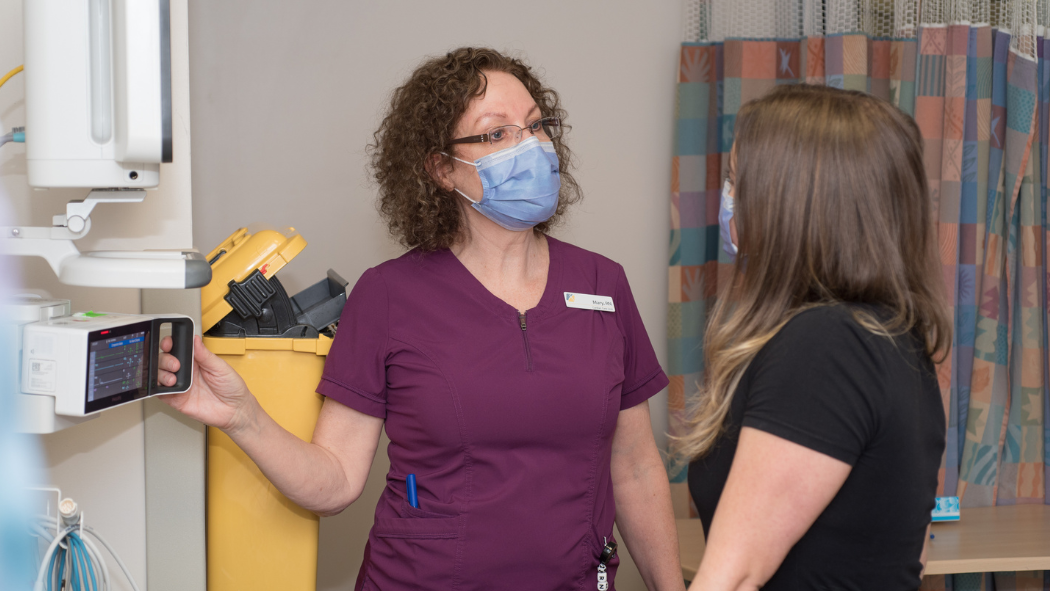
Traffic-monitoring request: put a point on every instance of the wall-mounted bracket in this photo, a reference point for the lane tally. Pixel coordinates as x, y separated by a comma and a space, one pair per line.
136, 269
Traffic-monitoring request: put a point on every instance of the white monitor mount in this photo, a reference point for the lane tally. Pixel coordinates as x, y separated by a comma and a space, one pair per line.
138, 269
98, 115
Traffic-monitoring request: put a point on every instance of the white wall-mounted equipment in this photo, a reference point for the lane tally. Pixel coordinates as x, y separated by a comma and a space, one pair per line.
99, 116
178, 269
98, 92
34, 414
75, 365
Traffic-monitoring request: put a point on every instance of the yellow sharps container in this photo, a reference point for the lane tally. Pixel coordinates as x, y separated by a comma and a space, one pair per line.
257, 538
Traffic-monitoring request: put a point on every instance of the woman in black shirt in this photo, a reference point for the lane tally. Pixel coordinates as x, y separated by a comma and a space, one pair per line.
820, 429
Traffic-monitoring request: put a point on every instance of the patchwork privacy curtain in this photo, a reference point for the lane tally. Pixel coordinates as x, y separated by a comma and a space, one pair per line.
976, 77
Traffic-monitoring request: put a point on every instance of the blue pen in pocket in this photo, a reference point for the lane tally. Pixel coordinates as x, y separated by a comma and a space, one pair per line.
410, 484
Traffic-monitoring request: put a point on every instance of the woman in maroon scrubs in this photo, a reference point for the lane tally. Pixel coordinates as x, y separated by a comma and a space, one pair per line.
510, 370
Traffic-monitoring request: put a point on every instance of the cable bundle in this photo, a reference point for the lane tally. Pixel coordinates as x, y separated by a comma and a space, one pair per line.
72, 557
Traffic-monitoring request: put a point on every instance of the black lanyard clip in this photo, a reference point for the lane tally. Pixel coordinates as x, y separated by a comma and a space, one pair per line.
608, 552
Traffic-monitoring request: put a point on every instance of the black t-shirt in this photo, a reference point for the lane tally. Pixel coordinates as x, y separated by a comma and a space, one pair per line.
829, 384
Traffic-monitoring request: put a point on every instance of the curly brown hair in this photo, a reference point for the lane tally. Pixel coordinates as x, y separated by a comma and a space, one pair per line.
420, 124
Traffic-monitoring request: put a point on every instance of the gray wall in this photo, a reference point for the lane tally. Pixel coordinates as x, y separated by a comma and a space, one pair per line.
285, 96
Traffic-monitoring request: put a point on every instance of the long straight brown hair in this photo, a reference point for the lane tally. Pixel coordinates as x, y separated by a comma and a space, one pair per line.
832, 206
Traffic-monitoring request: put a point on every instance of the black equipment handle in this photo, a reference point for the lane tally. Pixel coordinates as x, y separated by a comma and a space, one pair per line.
181, 349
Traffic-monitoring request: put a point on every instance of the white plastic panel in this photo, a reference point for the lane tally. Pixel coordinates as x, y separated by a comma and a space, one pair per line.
57, 83
93, 89
139, 64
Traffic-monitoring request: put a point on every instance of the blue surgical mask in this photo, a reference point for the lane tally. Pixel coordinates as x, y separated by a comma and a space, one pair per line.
520, 185
725, 213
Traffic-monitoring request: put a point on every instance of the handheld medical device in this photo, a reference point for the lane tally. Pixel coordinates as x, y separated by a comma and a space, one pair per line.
91, 362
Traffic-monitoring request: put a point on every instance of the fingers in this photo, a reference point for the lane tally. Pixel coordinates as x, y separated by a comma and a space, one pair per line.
166, 379
167, 362
206, 360
167, 365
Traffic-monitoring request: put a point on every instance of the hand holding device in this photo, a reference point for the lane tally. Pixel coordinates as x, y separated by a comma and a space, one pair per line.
218, 397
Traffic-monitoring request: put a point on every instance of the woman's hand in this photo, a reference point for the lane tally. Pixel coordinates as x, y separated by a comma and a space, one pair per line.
218, 397
325, 476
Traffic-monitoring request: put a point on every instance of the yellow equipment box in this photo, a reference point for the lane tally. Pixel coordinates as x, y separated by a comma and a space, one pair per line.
257, 537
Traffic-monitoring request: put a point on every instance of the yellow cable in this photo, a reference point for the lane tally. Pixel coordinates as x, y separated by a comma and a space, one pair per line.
9, 75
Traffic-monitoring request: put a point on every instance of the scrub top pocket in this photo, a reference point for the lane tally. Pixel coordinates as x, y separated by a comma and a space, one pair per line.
415, 512
417, 523
417, 528
425, 546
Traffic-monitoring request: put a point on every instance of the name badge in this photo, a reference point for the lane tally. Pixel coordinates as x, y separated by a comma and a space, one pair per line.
585, 301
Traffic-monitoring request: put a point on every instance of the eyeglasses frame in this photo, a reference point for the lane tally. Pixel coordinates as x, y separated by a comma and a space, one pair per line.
484, 138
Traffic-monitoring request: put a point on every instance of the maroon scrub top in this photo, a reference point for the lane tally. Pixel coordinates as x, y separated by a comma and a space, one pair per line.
507, 424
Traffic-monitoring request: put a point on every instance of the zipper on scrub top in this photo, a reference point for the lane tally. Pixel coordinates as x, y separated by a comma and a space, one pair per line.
525, 336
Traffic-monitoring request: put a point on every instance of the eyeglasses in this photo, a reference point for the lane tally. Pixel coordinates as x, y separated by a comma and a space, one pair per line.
548, 128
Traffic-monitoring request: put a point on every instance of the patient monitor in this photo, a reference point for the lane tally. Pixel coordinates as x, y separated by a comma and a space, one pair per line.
73, 366
76, 365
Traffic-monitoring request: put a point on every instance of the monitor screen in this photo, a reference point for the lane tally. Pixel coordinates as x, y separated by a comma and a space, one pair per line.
118, 365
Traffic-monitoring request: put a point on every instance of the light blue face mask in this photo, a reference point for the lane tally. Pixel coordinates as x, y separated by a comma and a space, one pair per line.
725, 214
520, 185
